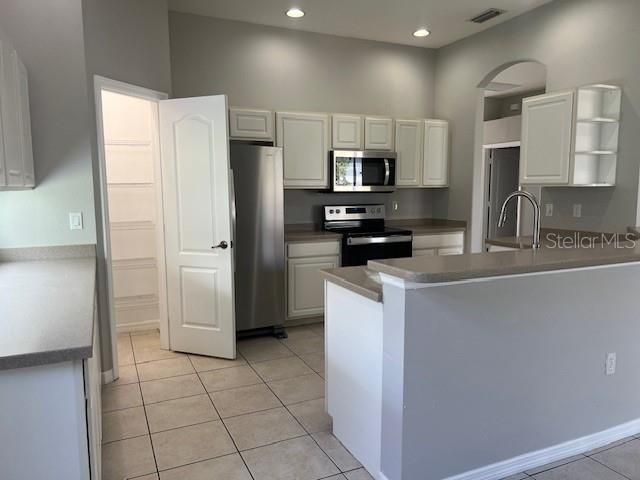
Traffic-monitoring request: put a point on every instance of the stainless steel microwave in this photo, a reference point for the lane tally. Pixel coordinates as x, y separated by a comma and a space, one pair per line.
363, 171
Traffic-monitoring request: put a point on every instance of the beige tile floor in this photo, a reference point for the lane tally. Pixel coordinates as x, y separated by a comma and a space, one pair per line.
173, 416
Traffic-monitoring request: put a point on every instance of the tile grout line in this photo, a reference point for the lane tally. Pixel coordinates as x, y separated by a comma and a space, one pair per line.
310, 434
144, 409
608, 467
297, 421
222, 421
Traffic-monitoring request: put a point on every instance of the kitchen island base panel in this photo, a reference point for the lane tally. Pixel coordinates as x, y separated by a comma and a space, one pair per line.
487, 377
353, 329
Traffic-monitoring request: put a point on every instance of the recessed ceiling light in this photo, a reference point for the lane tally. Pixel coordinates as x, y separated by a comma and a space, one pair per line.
295, 13
421, 32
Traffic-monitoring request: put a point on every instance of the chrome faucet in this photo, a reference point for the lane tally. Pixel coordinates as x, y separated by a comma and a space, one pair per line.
536, 214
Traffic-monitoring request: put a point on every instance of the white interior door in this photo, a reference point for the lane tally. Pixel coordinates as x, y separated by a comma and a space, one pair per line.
195, 168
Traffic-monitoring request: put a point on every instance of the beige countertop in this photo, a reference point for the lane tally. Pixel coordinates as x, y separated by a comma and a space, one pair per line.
550, 237
308, 232
313, 233
46, 306
360, 280
480, 265
429, 225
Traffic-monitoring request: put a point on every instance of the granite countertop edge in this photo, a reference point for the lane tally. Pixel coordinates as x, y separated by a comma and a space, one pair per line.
84, 271
51, 357
441, 275
356, 280
300, 233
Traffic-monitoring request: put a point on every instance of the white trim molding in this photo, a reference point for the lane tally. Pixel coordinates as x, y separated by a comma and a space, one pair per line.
139, 326
107, 377
538, 458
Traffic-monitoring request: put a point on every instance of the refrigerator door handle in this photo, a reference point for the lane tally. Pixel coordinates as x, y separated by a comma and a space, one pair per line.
232, 199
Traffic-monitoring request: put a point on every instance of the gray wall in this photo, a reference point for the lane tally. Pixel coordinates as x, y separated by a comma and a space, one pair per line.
280, 69
127, 41
305, 206
490, 372
48, 37
275, 68
561, 36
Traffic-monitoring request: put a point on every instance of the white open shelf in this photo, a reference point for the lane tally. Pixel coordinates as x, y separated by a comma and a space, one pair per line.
596, 135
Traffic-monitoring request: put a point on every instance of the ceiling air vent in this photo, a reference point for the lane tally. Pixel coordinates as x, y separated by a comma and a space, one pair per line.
487, 15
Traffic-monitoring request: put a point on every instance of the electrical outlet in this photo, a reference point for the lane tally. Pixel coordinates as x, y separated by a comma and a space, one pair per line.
395, 205
75, 221
610, 364
548, 210
577, 210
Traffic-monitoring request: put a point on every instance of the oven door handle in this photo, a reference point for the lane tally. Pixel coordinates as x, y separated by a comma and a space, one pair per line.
372, 240
387, 171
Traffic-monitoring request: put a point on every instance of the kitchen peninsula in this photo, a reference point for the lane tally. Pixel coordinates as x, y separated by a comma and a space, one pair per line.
480, 366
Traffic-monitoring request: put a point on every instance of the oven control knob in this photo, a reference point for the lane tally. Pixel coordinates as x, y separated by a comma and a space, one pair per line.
338, 210
331, 211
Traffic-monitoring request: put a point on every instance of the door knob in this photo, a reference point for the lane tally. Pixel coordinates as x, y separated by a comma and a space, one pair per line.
223, 245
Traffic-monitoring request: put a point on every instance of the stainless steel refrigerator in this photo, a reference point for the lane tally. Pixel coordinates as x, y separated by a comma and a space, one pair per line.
259, 236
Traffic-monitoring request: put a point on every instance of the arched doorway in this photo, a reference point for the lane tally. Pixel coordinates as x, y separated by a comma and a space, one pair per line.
497, 148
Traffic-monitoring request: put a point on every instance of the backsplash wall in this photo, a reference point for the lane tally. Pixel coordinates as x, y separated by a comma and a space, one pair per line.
305, 206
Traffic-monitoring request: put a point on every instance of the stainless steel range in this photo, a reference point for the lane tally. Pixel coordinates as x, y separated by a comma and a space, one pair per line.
364, 234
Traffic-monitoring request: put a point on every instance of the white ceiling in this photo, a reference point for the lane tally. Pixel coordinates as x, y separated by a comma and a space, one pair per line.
392, 21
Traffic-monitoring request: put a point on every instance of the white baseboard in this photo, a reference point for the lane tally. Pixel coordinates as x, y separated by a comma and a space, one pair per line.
107, 377
298, 322
138, 326
538, 458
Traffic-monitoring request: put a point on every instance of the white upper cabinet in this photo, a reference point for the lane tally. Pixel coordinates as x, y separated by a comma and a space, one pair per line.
346, 131
409, 147
250, 124
25, 123
378, 133
435, 169
304, 138
16, 155
546, 138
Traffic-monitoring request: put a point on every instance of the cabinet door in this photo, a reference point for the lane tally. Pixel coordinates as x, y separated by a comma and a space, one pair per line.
425, 252
25, 122
435, 169
304, 138
409, 149
378, 133
346, 131
451, 251
9, 109
251, 124
305, 286
545, 148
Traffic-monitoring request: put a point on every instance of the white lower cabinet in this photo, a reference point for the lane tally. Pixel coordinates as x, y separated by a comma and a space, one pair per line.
305, 285
51, 420
498, 248
451, 243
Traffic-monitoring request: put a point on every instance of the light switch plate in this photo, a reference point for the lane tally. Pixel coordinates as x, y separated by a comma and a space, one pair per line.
75, 221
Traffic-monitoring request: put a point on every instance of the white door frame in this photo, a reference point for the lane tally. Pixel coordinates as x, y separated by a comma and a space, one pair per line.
99, 84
